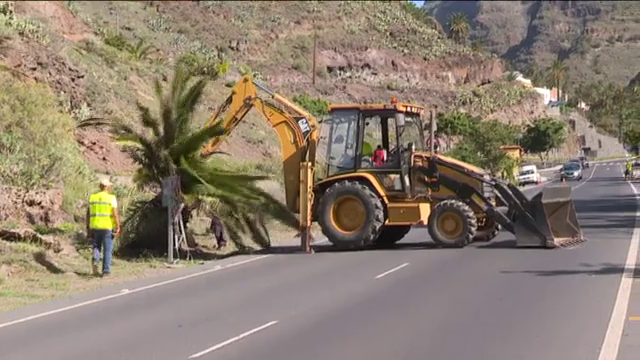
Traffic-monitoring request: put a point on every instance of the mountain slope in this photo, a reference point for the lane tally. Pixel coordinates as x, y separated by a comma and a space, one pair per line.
366, 52
599, 40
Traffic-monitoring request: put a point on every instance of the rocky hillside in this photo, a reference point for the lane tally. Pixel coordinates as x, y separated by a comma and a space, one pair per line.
599, 40
99, 58
104, 55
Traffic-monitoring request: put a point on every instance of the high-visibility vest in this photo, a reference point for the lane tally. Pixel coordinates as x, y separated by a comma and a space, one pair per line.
101, 211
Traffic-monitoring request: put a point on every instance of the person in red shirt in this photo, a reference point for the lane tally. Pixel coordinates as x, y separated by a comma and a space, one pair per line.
379, 156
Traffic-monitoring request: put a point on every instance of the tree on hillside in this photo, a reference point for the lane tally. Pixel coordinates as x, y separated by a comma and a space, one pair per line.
455, 123
557, 73
613, 108
170, 144
481, 146
632, 138
536, 75
459, 27
543, 135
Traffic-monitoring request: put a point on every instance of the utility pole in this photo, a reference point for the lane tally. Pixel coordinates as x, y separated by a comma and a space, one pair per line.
432, 130
315, 41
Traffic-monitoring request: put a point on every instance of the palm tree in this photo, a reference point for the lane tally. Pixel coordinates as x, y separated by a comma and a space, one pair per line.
459, 27
168, 145
557, 73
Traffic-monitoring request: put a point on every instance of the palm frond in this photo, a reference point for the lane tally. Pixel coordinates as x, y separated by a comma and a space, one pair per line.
94, 122
191, 144
148, 120
187, 104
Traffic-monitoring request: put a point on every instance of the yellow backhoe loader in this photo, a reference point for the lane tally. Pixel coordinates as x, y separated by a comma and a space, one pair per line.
330, 178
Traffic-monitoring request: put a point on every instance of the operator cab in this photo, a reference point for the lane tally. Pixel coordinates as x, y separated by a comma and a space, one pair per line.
374, 138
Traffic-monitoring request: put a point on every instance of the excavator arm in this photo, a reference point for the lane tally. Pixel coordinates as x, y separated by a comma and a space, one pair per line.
296, 129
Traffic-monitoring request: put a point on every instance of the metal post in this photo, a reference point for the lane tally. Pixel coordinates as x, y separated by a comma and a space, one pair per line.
432, 132
170, 233
315, 40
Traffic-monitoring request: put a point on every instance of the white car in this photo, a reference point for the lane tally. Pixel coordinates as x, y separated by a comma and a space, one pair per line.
529, 175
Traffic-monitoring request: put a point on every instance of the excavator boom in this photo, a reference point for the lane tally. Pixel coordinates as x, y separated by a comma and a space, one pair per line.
296, 129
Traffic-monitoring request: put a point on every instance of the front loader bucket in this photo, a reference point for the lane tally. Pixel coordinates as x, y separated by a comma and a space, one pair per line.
548, 220
554, 217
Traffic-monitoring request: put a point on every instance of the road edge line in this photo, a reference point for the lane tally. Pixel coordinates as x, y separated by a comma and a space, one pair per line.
613, 336
142, 288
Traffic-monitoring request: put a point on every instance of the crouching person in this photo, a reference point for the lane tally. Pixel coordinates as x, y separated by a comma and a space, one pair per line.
218, 231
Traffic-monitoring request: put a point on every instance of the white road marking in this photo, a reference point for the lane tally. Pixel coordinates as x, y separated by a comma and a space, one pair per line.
613, 336
233, 339
142, 288
589, 178
392, 270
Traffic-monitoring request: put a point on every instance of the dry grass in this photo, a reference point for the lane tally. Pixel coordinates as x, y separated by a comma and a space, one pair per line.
28, 277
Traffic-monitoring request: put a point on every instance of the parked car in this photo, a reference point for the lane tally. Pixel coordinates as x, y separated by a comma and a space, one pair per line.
585, 162
571, 171
529, 175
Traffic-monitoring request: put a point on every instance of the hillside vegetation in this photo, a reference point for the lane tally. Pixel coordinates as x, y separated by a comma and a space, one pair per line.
66, 63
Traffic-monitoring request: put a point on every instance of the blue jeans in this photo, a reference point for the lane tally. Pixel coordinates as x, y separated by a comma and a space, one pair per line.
102, 239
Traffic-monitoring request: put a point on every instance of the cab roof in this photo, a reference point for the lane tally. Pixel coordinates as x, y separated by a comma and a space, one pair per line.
399, 107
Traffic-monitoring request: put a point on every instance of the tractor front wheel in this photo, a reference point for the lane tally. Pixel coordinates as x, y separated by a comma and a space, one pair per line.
452, 223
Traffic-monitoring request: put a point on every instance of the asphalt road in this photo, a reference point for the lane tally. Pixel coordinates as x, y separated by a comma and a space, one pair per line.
487, 301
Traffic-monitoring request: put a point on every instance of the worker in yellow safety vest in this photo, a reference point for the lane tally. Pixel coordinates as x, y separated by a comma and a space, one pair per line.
102, 224
629, 170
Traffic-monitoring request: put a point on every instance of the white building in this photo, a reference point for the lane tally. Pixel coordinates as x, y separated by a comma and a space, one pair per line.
546, 94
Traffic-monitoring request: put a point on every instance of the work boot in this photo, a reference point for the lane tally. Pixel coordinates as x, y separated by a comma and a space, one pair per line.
94, 269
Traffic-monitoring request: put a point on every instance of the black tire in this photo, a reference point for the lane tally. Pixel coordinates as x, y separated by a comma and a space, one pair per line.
487, 232
373, 214
464, 213
389, 235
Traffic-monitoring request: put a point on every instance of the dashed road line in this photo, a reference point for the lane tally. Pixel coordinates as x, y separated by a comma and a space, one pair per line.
613, 336
392, 270
233, 339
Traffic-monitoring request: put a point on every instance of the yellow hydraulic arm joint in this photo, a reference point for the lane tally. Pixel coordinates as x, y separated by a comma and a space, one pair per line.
298, 134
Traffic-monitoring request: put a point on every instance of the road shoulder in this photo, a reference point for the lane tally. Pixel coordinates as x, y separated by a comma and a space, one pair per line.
630, 344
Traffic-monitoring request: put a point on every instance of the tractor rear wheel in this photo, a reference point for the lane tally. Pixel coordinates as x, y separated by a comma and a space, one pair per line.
452, 223
350, 214
391, 235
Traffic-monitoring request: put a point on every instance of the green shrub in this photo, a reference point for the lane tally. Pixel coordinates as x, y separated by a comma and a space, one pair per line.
316, 106
37, 144
23, 27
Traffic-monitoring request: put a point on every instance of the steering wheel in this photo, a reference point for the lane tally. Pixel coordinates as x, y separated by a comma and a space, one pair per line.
366, 162
393, 152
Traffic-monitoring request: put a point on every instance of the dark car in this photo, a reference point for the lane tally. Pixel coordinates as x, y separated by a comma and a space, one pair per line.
584, 161
576, 161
